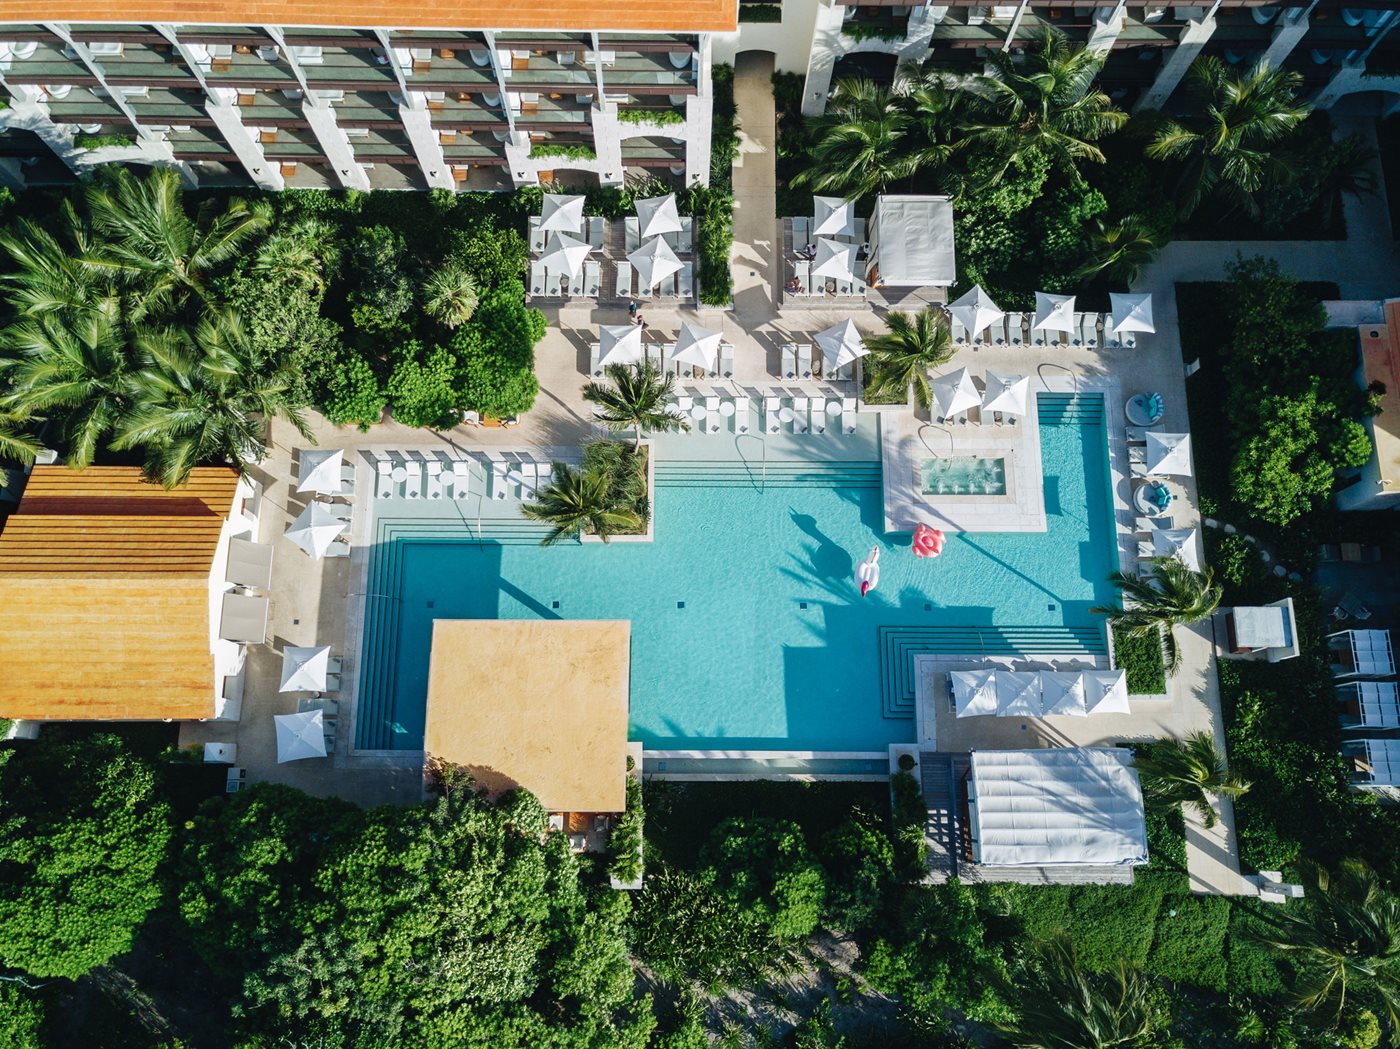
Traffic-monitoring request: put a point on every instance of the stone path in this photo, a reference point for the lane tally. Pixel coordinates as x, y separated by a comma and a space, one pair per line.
756, 254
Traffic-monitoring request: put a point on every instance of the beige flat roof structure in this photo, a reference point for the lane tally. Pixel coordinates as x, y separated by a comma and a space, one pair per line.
538, 704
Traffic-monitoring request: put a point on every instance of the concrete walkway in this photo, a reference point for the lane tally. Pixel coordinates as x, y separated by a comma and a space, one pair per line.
756, 254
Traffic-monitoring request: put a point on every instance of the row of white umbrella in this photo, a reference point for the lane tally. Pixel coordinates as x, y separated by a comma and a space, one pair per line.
957, 393
976, 312
565, 251
1039, 693
622, 344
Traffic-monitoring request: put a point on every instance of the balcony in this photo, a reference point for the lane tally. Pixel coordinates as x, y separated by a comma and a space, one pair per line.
546, 69
366, 109
426, 69
459, 148
869, 24
284, 144
344, 68
535, 108
466, 110
41, 62
649, 72
383, 146
153, 65
246, 66
171, 106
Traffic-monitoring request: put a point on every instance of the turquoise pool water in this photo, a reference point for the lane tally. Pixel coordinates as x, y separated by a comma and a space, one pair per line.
964, 475
747, 629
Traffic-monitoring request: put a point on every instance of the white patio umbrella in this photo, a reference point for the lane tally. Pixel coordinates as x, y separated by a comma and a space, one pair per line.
974, 692
315, 529
658, 215
654, 261
1006, 394
1169, 454
304, 669
833, 217
300, 736
841, 344
1106, 691
319, 471
1131, 312
696, 346
619, 344
955, 393
835, 260
561, 213
976, 311
1054, 312
1018, 694
564, 254
1062, 694
1179, 543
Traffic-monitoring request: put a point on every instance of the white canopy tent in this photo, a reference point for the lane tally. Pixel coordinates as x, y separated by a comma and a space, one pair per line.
1106, 691
911, 242
300, 736
1054, 312
1006, 394
976, 311
1169, 454
319, 470
316, 528
956, 392
841, 344
696, 346
304, 669
833, 217
974, 693
1062, 694
1131, 312
564, 254
654, 261
835, 260
619, 344
1182, 543
1018, 694
658, 215
1056, 806
561, 213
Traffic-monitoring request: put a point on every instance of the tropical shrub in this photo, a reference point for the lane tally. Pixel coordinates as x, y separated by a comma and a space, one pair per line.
495, 353
625, 845
377, 259
421, 387
21, 1018
764, 866
353, 394
910, 819
713, 213
1140, 656
859, 859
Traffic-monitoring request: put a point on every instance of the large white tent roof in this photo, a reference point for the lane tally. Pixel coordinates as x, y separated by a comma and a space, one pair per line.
1057, 805
911, 242
1370, 651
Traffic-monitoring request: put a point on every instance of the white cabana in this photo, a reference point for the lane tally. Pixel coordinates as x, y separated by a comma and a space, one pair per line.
564, 254
955, 393
1371, 704
976, 311
1006, 394
1056, 806
1106, 691
1062, 694
696, 346
974, 692
561, 213
654, 261
1169, 454
841, 344
833, 217
619, 344
835, 260
1054, 312
1018, 694
658, 215
300, 736
1363, 653
1131, 312
304, 669
319, 471
316, 528
1181, 543
911, 242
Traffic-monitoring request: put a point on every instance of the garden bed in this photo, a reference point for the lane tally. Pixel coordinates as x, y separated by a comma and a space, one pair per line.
1141, 657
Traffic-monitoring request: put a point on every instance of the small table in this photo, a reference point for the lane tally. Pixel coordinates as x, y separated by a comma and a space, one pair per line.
699, 413
726, 408
1138, 412
785, 414
399, 473
833, 408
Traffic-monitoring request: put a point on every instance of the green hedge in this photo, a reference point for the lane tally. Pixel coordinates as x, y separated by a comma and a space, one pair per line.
860, 31
1141, 657
713, 211
549, 149
98, 141
760, 12
651, 116
624, 847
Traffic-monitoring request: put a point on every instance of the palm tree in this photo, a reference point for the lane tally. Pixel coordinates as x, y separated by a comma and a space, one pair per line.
1186, 772
198, 397
581, 499
1045, 102
1120, 250
636, 398
149, 245
1346, 936
48, 272
1232, 139
935, 103
292, 255
1173, 595
17, 445
1064, 1007
450, 295
861, 142
903, 355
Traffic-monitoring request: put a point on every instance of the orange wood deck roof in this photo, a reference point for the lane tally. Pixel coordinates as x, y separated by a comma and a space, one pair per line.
104, 595
658, 16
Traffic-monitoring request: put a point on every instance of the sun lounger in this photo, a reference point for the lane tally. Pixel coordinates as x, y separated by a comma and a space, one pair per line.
592, 279
804, 360
537, 278
1015, 336
682, 407
789, 361
959, 333
803, 272
596, 227
859, 236
624, 280
461, 478
799, 415
1129, 339
712, 415
544, 474
686, 236
726, 360
771, 407
634, 233
800, 226
819, 414
383, 472
687, 281
595, 350
1089, 331
576, 283
537, 235
500, 480
338, 548
434, 480
843, 287
848, 415
413, 484
1137, 469
1109, 337
741, 414
1041, 337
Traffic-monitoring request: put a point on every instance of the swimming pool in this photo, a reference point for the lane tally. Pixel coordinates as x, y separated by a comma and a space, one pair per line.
964, 475
747, 630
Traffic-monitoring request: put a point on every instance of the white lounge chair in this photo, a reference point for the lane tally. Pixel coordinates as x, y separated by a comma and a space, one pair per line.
803, 272
597, 226
413, 483
537, 279
384, 473
741, 414
789, 353
687, 281
434, 479
799, 415
726, 359
624, 280
592, 279
1015, 332
805, 363
958, 332
1110, 338
633, 234
461, 478
819, 414
576, 283
1089, 331
800, 226
594, 352
712, 415
848, 415
686, 238
500, 480
537, 235
771, 420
